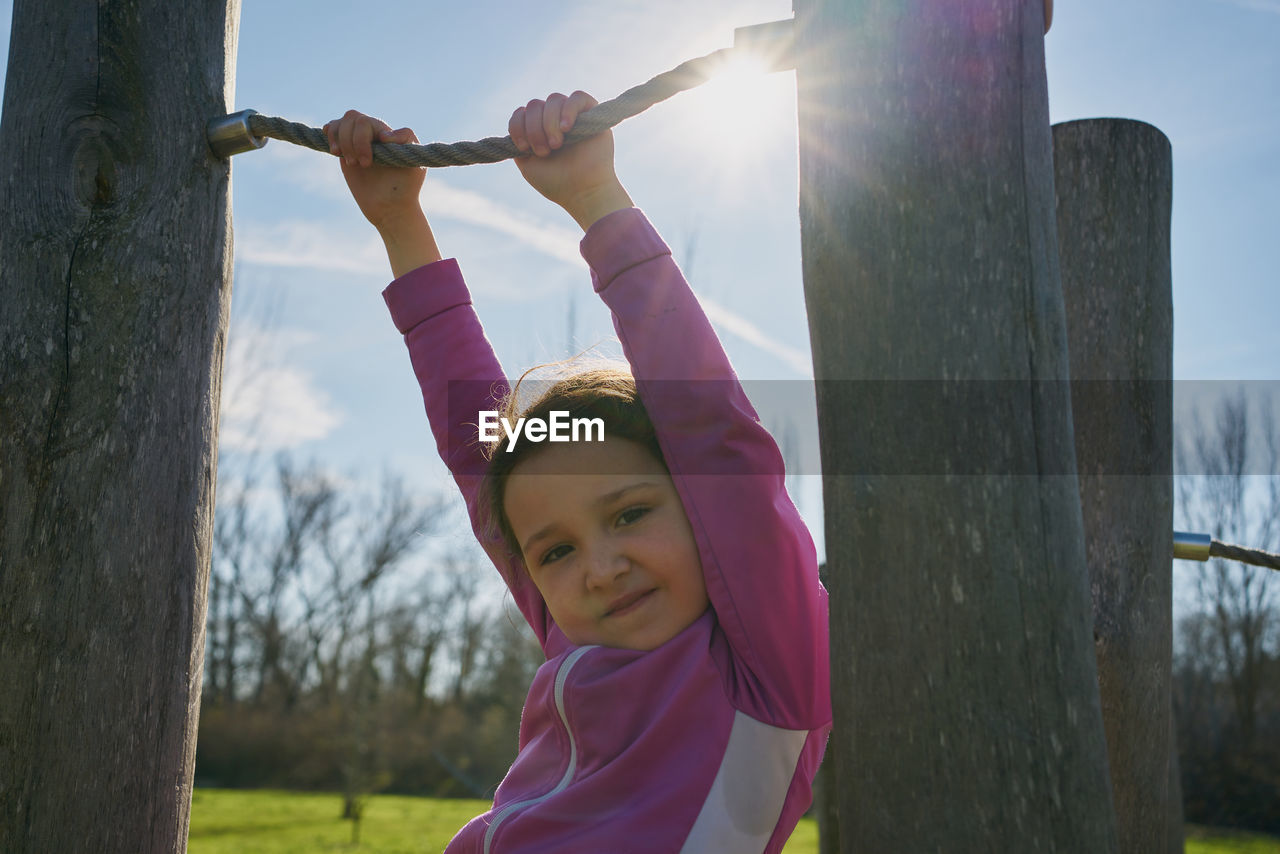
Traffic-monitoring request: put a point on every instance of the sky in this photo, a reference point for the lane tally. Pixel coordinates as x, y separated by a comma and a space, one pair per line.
315, 366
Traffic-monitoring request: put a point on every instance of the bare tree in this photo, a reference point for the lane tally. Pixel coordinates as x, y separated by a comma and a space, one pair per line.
308, 503
339, 636
419, 629
234, 537
1227, 645
383, 536
251, 357
1236, 497
468, 630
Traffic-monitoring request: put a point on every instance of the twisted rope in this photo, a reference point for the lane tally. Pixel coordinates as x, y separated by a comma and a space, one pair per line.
1255, 557
494, 149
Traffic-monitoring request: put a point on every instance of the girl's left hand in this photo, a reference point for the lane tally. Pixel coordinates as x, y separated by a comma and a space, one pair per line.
580, 177
386, 195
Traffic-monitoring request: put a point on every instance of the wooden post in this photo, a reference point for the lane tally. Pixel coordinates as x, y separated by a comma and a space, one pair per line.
1175, 838
115, 277
1114, 180
966, 702
826, 808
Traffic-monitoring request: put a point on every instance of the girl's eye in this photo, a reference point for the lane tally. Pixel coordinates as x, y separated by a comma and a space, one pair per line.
555, 554
632, 515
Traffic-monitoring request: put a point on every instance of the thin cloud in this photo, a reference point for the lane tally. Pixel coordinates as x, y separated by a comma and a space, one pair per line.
475, 209
268, 406
313, 245
309, 245
316, 245
797, 360
317, 173
561, 244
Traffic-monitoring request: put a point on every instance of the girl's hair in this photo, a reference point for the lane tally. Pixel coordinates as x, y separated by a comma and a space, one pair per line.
606, 391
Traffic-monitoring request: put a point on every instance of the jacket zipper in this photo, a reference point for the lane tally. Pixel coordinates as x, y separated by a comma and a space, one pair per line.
562, 676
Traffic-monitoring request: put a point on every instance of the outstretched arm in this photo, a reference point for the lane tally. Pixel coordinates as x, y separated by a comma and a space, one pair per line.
758, 558
454, 363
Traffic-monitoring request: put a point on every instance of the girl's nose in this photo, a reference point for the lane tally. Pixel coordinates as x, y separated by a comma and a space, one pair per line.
605, 567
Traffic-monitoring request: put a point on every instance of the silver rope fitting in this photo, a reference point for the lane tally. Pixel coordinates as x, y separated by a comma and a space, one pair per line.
1191, 546
230, 134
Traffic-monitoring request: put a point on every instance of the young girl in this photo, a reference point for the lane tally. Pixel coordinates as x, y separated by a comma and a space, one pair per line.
684, 704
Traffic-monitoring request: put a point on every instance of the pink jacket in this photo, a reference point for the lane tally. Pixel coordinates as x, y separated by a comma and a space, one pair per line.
710, 742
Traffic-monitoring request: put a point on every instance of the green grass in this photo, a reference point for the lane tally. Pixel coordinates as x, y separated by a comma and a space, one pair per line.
225, 821
1212, 840
228, 821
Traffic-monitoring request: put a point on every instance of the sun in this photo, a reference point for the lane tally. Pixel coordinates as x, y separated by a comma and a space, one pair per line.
733, 103
738, 114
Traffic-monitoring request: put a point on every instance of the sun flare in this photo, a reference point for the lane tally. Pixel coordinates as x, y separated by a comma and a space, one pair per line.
739, 110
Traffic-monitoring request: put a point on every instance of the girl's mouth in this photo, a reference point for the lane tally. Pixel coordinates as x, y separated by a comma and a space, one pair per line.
628, 603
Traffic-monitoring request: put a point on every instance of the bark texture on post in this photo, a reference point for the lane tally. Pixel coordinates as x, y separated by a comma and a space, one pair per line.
966, 702
1114, 180
1175, 838
826, 808
115, 276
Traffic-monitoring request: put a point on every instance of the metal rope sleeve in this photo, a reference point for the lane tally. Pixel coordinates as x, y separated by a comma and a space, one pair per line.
1256, 557
493, 149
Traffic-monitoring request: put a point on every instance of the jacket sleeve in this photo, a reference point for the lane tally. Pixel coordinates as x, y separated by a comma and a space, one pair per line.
758, 558
459, 376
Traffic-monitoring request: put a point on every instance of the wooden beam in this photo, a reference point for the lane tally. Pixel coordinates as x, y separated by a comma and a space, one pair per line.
1114, 180
967, 715
115, 276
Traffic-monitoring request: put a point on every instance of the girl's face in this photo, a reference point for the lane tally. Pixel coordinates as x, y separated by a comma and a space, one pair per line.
607, 543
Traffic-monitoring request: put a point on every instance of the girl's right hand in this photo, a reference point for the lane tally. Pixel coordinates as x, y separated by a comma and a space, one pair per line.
580, 178
385, 194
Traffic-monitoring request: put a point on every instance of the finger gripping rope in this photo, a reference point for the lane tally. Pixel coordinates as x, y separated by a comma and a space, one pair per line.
494, 149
